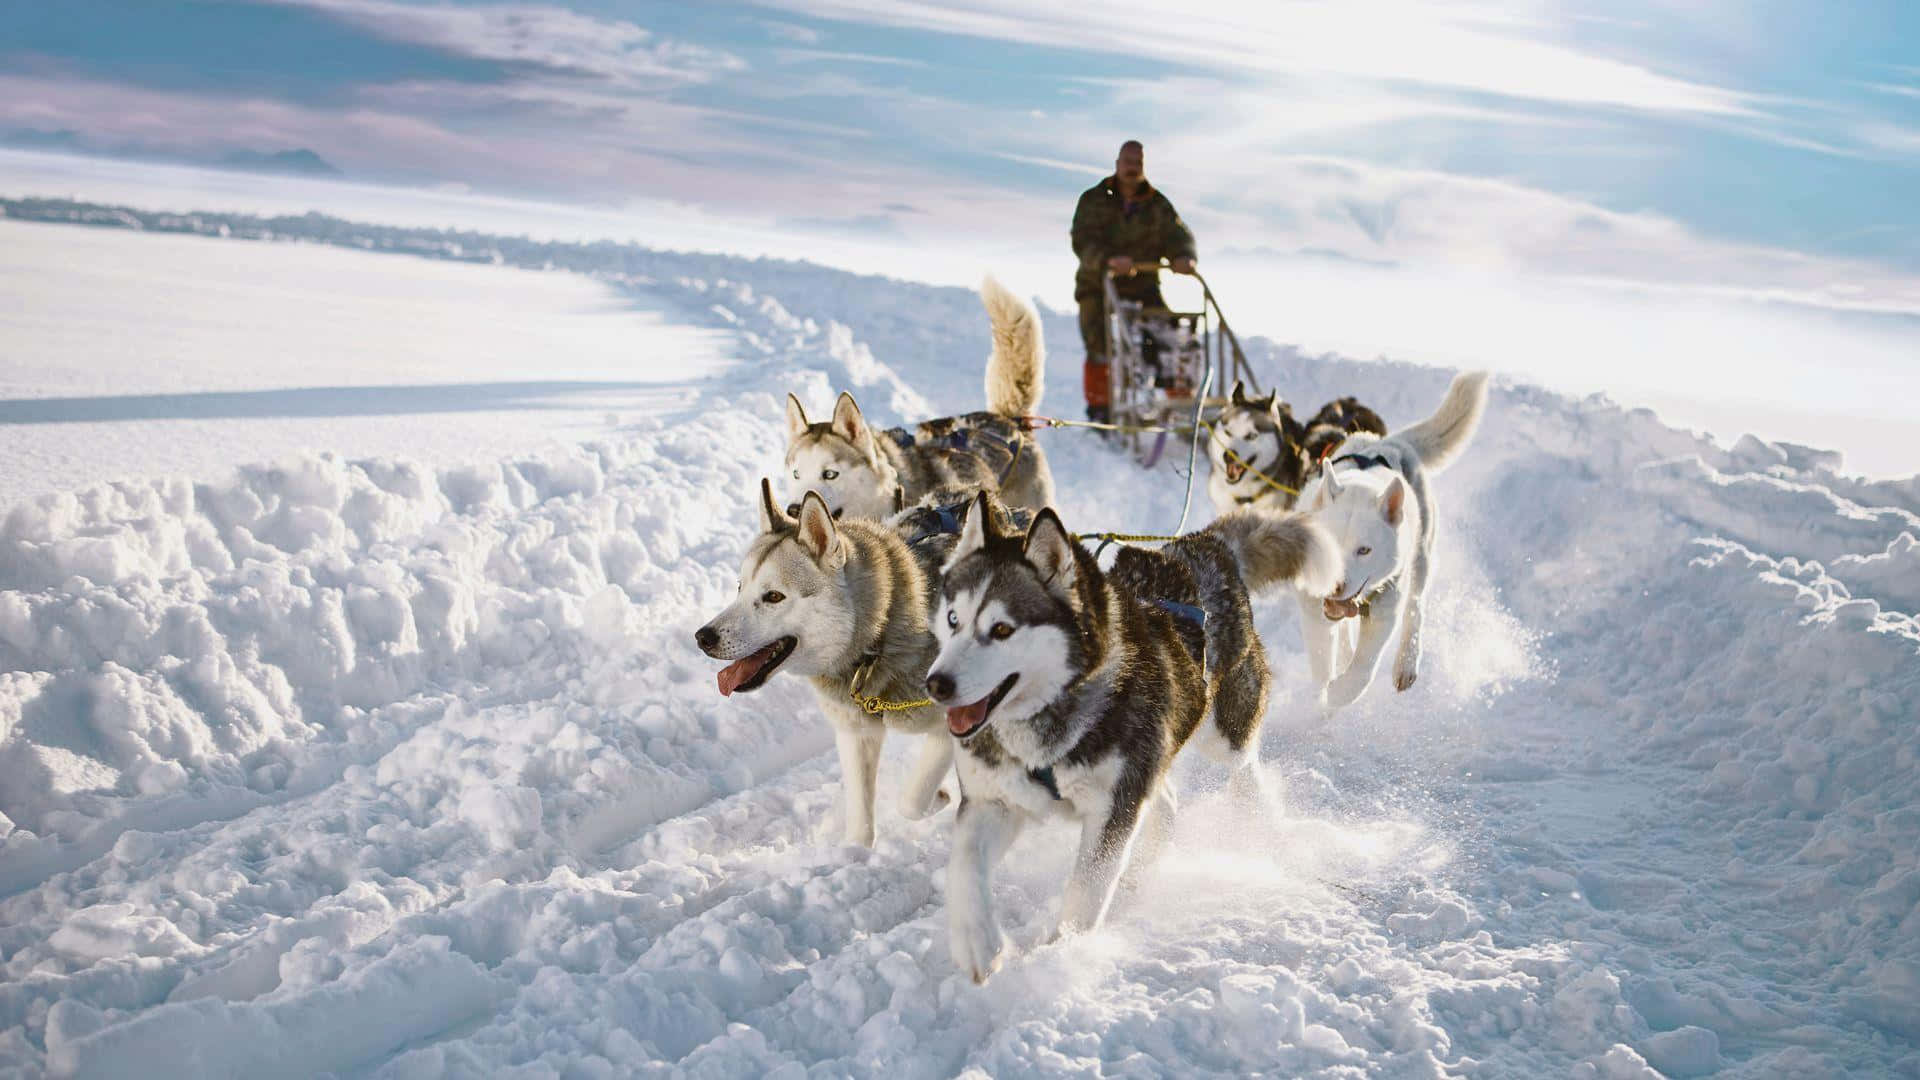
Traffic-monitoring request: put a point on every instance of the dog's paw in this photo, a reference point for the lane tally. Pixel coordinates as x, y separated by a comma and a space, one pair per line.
1343, 692
914, 809
1403, 677
858, 834
976, 948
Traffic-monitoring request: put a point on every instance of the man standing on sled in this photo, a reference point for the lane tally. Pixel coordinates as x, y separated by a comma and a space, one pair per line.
1121, 221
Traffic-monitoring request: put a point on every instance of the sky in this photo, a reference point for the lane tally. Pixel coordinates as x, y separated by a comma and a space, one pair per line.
1438, 175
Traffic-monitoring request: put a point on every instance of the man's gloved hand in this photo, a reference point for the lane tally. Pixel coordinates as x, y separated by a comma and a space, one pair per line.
1120, 264
1182, 265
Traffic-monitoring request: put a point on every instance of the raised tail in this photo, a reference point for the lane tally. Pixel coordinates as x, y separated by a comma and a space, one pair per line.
1276, 547
1016, 372
1439, 438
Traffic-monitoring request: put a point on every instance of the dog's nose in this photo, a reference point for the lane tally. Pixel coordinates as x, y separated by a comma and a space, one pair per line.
793, 510
707, 638
837, 513
940, 686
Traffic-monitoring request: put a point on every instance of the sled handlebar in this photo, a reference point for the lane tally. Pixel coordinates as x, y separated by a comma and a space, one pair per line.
1144, 267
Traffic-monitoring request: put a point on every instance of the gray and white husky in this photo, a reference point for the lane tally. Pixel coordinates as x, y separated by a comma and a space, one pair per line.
1070, 690
836, 602
1375, 499
1262, 456
865, 473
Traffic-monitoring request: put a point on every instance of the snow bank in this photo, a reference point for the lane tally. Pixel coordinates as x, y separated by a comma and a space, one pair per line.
371, 767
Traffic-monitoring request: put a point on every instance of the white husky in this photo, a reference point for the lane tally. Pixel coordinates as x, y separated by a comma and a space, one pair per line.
1374, 499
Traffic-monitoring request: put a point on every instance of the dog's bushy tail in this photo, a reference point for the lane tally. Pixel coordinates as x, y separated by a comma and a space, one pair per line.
1016, 371
1439, 438
1276, 547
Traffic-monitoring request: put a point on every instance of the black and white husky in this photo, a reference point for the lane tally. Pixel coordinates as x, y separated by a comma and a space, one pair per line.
1070, 690
1262, 456
867, 473
1374, 498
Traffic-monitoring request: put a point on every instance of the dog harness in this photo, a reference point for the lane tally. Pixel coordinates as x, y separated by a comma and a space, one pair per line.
1364, 461
1044, 777
947, 521
963, 440
1191, 613
874, 704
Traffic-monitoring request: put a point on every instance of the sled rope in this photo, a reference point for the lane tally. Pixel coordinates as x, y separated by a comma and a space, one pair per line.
1038, 423
1193, 445
874, 704
1125, 538
1248, 465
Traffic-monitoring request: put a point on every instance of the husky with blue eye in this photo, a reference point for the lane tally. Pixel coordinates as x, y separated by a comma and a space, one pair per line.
867, 473
1069, 691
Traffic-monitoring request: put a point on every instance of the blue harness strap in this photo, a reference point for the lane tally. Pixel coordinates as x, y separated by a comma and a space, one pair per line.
1365, 461
1044, 777
1195, 615
946, 522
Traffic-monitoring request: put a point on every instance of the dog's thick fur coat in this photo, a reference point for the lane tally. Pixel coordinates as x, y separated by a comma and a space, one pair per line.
827, 599
1262, 456
1071, 690
1375, 499
865, 473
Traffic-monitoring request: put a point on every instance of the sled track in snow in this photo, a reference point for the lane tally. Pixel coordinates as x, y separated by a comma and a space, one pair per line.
1633, 777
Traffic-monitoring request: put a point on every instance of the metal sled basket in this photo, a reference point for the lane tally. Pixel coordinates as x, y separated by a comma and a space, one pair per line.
1159, 359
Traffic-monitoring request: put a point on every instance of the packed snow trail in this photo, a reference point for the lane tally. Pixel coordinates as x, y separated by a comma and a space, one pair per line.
369, 768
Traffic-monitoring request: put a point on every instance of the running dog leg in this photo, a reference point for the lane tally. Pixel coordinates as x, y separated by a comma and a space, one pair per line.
923, 796
1375, 629
983, 831
1406, 663
859, 767
1156, 828
1105, 844
1318, 634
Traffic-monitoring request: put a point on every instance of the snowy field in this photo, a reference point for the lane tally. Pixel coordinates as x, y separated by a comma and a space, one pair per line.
132, 354
378, 763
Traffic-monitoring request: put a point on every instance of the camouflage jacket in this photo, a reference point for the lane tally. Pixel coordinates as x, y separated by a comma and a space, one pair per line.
1102, 227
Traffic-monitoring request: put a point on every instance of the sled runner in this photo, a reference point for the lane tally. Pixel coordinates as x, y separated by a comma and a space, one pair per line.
1160, 359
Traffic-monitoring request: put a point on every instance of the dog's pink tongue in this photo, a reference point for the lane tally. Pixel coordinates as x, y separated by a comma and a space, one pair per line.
964, 718
743, 669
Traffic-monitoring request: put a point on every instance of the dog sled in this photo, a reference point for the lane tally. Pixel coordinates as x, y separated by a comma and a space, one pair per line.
1167, 368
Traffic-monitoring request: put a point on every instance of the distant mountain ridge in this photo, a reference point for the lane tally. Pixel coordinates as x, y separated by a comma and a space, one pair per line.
294, 162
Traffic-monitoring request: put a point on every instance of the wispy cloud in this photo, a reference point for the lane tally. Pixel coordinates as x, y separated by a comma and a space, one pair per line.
827, 56
1457, 46
794, 32
546, 37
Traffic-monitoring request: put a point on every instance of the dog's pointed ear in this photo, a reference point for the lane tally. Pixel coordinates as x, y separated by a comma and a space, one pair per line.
1294, 430
974, 529
819, 536
847, 421
796, 418
1050, 548
1393, 501
1328, 491
771, 516
1239, 392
